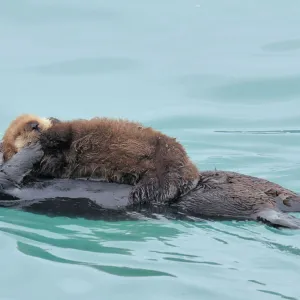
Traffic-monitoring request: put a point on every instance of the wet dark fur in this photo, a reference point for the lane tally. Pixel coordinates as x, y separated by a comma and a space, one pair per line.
119, 151
218, 195
232, 194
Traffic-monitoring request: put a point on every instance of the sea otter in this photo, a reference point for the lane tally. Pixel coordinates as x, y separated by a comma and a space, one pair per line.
218, 195
112, 150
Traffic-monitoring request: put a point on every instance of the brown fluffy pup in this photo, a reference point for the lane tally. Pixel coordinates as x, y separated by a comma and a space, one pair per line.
114, 151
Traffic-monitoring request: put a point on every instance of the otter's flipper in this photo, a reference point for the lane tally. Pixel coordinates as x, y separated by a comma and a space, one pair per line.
277, 219
20, 165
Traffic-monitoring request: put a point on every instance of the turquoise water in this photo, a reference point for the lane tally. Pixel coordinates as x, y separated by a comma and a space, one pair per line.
197, 70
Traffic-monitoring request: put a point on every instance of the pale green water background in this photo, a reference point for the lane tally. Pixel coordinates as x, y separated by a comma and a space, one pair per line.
190, 68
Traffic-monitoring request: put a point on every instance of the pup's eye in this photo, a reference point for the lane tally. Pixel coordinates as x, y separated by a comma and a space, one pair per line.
34, 126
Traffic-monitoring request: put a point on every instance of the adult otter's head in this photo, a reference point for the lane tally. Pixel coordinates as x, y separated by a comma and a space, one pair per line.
23, 131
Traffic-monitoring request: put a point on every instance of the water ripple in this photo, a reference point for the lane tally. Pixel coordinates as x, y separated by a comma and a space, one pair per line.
89, 65
269, 89
293, 131
227, 89
113, 270
54, 12
278, 294
282, 46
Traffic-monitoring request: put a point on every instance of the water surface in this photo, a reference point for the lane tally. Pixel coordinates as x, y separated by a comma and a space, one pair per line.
221, 76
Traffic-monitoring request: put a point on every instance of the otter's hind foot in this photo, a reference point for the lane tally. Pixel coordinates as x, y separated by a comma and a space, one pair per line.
277, 218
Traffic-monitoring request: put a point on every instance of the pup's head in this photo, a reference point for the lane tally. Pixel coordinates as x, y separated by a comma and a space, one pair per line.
23, 131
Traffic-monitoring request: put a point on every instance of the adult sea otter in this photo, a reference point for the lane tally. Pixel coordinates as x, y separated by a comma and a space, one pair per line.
218, 195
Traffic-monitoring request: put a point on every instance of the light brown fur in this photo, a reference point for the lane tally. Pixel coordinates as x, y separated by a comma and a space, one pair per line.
117, 151
19, 134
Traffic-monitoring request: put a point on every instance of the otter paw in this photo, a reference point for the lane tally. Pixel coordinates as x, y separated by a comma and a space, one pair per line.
154, 192
185, 187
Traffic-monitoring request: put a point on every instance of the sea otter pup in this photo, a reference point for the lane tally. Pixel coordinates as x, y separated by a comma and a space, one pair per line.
117, 151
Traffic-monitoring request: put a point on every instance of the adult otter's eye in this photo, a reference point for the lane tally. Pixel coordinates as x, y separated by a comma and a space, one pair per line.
34, 126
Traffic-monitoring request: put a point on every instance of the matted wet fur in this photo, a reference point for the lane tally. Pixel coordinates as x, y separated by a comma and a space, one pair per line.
118, 151
219, 195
